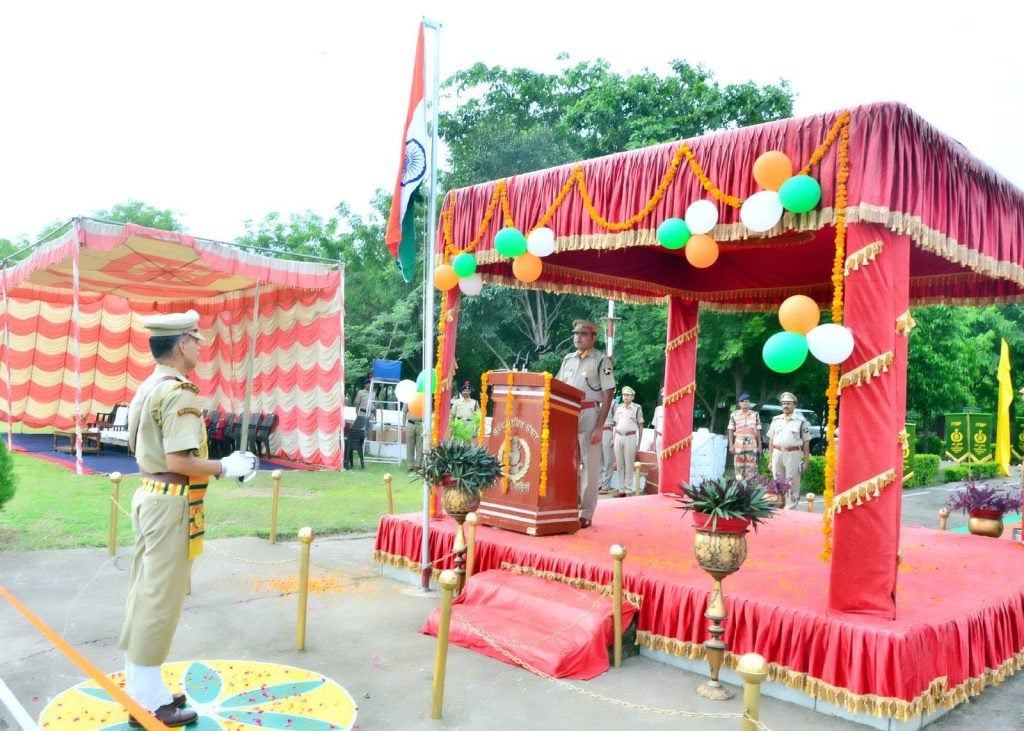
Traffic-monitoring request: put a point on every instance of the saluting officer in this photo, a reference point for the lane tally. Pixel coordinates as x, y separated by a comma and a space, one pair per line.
790, 441
589, 370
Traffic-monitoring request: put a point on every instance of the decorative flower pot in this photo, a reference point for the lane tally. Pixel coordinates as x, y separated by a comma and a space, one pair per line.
723, 549
459, 503
985, 522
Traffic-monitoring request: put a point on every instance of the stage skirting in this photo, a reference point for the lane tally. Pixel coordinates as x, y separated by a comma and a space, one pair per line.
960, 599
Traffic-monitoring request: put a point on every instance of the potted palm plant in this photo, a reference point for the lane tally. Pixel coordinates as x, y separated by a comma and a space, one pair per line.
461, 469
985, 505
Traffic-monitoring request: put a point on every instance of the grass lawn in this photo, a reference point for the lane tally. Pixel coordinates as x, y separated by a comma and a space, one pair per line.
54, 508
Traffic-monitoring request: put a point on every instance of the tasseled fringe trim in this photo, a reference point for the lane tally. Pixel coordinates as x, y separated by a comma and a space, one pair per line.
864, 373
936, 697
680, 339
574, 581
681, 444
689, 388
864, 492
903, 438
862, 257
401, 562
905, 323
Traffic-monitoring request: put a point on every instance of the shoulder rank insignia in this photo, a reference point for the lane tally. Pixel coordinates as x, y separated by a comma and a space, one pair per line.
190, 410
186, 386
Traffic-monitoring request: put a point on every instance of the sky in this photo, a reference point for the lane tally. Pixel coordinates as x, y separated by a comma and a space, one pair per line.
223, 112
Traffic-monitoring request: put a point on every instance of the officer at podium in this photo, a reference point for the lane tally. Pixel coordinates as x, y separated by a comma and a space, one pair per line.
589, 370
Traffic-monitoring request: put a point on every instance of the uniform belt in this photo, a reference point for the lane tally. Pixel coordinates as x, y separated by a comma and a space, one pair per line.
162, 488
607, 428
589, 404
626, 433
789, 449
412, 421
171, 478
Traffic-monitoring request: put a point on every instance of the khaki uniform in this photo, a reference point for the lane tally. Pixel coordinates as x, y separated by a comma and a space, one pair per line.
592, 373
163, 417
464, 408
363, 406
788, 438
629, 422
607, 451
413, 441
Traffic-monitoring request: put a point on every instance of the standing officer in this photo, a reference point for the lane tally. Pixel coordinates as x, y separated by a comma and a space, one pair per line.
790, 442
607, 453
465, 405
167, 434
629, 425
413, 440
589, 370
364, 401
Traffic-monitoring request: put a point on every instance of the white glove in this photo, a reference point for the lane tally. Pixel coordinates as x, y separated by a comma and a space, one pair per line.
240, 464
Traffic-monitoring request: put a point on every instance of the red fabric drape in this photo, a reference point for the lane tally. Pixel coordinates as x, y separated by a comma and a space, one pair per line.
871, 417
445, 359
680, 375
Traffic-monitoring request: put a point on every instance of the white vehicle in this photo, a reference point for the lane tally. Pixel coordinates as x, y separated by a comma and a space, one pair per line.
769, 411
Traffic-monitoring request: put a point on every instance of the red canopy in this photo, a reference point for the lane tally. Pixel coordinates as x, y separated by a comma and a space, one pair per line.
907, 216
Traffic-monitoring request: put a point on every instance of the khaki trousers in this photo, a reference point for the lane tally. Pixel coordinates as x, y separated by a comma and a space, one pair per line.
625, 456
787, 464
607, 458
590, 463
158, 579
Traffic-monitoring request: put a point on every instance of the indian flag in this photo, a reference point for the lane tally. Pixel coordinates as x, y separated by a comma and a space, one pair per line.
412, 171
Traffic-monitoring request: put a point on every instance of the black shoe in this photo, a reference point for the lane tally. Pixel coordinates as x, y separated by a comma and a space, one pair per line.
170, 715
178, 700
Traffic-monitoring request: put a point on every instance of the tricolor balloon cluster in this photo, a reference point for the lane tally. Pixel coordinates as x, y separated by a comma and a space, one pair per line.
526, 253
783, 191
786, 351
414, 393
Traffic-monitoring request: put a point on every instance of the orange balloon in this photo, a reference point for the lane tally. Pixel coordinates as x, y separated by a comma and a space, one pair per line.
701, 251
799, 314
527, 267
416, 403
445, 277
772, 169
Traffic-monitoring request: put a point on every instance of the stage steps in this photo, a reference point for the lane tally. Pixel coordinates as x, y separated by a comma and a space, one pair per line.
549, 626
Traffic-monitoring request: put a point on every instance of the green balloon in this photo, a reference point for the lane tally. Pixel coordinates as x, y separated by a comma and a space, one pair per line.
784, 352
673, 233
510, 242
421, 381
800, 194
464, 265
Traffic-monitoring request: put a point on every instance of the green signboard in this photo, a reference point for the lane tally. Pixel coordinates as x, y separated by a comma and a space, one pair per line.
981, 428
1017, 441
909, 450
957, 443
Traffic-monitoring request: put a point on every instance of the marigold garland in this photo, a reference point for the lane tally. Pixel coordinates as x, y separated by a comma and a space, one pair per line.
842, 129
506, 457
545, 433
435, 416
483, 408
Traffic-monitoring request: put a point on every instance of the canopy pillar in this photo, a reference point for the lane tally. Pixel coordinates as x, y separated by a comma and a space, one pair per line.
873, 386
680, 388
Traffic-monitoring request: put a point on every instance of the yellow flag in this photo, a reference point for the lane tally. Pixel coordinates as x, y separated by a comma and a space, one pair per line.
1003, 413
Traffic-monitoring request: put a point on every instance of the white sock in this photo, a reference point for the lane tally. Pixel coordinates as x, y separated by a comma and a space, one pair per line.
145, 684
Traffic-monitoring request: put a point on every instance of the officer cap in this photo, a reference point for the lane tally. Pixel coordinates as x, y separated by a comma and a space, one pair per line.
175, 323
743, 396
366, 381
787, 396
627, 389
583, 326
466, 386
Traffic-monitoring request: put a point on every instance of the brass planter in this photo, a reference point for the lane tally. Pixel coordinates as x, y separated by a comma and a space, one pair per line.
985, 523
458, 503
718, 552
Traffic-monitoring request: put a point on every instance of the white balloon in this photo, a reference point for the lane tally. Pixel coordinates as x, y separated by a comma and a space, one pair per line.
830, 343
541, 241
471, 285
761, 211
404, 390
701, 216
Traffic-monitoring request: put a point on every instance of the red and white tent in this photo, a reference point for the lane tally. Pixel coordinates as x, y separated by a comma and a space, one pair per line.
74, 342
907, 216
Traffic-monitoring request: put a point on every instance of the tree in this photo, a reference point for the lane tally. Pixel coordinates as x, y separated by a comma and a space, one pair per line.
140, 213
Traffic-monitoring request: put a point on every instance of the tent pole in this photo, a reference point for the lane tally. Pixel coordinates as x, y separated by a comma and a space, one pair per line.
7, 360
76, 329
244, 436
428, 305
341, 358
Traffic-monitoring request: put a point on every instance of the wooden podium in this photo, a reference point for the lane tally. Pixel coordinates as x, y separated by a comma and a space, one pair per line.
521, 507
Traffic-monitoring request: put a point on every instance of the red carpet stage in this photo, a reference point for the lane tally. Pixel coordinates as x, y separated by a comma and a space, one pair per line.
960, 600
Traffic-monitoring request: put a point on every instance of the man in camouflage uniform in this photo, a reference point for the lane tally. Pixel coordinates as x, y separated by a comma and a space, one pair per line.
168, 435
589, 370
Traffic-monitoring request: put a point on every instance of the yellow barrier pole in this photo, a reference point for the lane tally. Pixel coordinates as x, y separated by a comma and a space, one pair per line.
306, 537
810, 502
448, 581
115, 497
471, 521
276, 477
754, 670
943, 517
387, 490
618, 553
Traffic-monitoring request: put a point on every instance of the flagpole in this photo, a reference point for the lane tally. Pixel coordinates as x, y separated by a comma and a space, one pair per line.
428, 304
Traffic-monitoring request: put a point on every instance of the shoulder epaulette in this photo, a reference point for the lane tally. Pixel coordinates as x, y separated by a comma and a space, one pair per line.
186, 386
